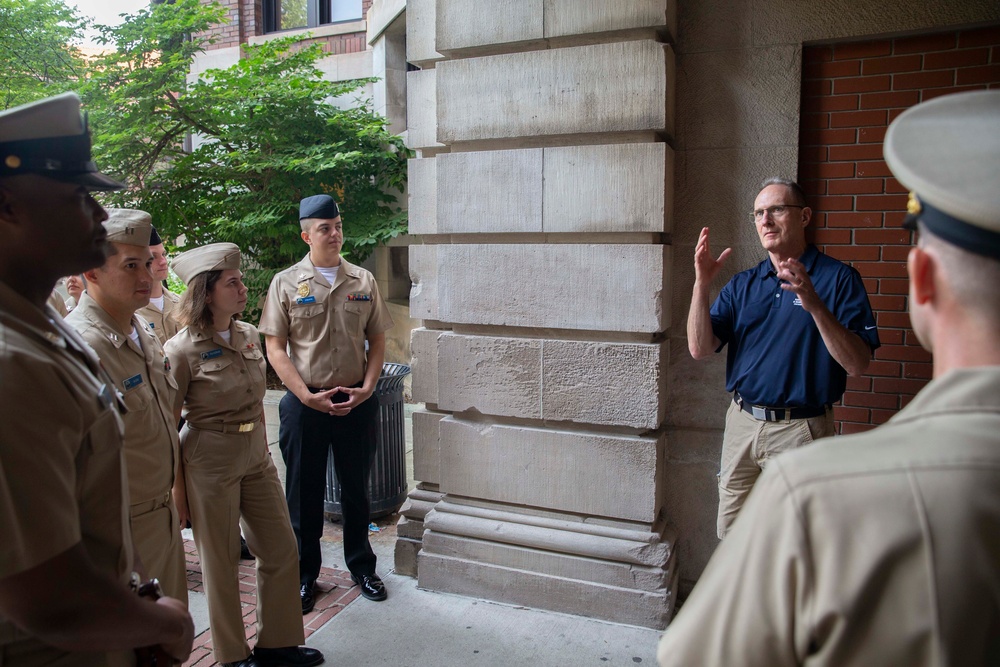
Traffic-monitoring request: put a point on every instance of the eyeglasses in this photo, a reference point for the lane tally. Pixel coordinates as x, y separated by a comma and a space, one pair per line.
775, 211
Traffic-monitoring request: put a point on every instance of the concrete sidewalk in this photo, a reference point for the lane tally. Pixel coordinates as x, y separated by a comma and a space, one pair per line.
419, 627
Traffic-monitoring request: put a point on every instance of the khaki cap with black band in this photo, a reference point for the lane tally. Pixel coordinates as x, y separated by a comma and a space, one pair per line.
50, 138
947, 151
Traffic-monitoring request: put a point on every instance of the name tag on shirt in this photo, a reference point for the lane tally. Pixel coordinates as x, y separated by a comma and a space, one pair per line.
132, 382
211, 354
306, 299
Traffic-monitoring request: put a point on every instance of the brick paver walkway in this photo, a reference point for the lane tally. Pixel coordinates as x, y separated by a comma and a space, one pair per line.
334, 591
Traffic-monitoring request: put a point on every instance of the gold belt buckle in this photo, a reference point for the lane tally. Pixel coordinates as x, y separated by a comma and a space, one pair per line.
247, 427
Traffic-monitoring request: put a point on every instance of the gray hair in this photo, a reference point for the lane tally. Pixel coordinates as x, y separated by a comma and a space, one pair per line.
797, 192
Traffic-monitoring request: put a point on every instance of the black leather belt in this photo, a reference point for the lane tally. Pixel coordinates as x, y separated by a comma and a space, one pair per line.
771, 414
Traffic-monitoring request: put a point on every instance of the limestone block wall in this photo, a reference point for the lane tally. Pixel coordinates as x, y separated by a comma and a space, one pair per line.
542, 198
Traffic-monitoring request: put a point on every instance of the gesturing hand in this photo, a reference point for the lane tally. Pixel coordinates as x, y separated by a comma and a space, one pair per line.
705, 267
796, 279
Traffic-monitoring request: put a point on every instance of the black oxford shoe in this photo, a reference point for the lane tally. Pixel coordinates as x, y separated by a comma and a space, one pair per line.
372, 587
308, 601
290, 656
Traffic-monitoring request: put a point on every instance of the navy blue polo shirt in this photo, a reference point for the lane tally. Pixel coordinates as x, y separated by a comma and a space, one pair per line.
776, 355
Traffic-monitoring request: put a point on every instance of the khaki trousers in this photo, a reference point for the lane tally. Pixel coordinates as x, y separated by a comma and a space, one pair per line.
229, 475
746, 447
158, 542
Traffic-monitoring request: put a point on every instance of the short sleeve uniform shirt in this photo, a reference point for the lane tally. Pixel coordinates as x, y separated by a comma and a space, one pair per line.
62, 471
881, 548
219, 382
326, 325
163, 322
142, 376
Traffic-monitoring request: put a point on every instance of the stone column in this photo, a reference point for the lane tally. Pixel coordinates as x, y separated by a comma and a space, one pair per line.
542, 195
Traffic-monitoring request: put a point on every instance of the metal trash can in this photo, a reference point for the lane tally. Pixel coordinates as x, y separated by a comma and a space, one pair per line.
387, 484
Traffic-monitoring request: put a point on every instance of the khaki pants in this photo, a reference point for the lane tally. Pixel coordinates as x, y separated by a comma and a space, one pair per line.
229, 476
158, 542
746, 447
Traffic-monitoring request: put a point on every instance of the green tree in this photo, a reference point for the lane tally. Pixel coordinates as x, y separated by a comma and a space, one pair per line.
37, 50
265, 133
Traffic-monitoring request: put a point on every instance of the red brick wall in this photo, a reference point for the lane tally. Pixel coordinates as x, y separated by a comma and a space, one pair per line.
245, 20
850, 94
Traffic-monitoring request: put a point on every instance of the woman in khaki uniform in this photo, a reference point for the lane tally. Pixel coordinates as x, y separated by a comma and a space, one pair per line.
219, 368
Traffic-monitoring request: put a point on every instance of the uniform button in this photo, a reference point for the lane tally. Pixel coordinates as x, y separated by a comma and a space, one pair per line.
244, 371
248, 391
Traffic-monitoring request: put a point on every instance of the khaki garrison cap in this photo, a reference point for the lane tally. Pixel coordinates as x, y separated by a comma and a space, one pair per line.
947, 151
128, 226
50, 138
212, 257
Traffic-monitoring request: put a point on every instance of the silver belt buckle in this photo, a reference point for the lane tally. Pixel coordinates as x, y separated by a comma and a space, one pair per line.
759, 413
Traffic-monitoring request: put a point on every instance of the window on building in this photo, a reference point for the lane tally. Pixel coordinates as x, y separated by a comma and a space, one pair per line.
297, 14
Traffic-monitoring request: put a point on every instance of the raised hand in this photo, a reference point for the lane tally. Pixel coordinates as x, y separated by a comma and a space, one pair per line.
705, 266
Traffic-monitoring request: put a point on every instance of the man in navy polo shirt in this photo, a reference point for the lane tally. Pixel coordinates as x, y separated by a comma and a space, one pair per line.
796, 325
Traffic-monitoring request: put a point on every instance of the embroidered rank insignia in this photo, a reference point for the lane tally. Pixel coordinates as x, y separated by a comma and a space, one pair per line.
306, 299
132, 382
211, 354
303, 289
359, 296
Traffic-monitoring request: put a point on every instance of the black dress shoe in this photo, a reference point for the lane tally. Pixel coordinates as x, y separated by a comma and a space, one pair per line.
245, 550
246, 662
308, 601
290, 656
372, 587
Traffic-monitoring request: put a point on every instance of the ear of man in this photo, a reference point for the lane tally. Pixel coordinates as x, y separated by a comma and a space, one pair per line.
923, 271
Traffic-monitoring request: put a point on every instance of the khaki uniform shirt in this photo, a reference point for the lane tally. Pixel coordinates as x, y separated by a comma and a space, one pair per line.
58, 303
62, 471
876, 549
326, 326
218, 382
164, 322
142, 375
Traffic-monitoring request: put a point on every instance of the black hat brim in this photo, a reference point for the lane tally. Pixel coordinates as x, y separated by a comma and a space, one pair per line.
92, 180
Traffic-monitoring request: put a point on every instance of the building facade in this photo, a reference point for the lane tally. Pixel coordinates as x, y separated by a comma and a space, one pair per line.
568, 152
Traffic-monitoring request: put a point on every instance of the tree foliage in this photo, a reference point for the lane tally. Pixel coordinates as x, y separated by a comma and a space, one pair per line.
37, 50
227, 155
265, 132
